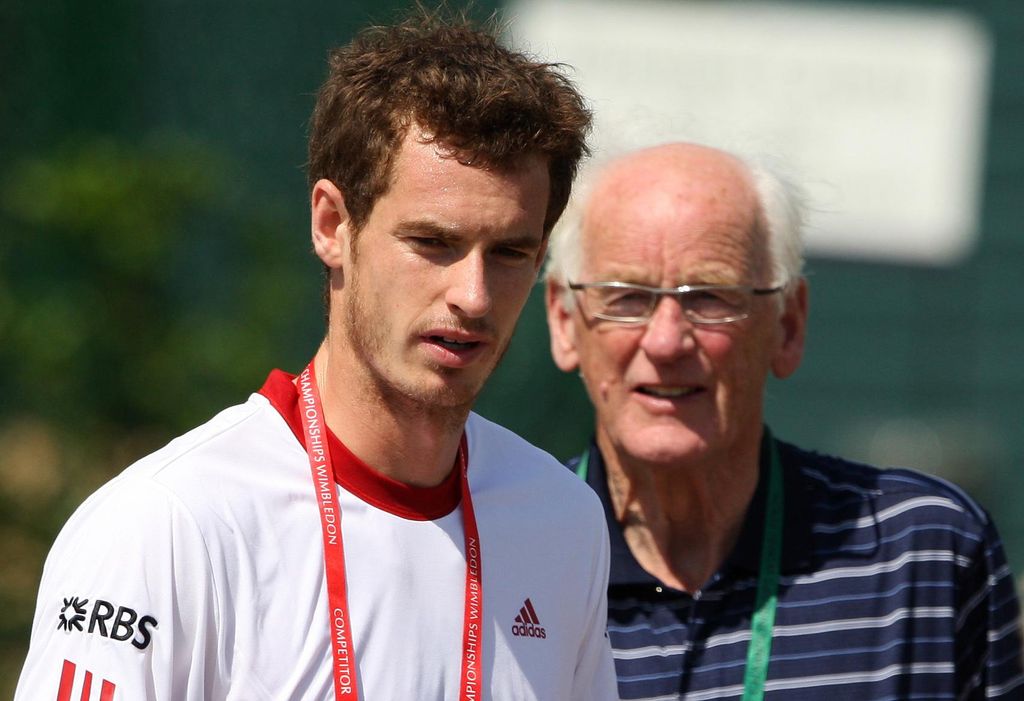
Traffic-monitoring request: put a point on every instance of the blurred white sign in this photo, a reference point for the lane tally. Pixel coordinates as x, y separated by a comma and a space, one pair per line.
878, 112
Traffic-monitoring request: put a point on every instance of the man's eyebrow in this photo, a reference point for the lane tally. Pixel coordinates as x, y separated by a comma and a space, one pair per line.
425, 227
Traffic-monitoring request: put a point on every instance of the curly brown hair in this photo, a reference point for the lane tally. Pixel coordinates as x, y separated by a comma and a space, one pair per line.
485, 103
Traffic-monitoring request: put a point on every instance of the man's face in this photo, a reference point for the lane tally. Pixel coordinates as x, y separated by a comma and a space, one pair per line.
671, 390
438, 275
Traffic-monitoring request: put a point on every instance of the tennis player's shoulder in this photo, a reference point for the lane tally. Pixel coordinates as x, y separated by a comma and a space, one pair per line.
162, 537
506, 456
193, 477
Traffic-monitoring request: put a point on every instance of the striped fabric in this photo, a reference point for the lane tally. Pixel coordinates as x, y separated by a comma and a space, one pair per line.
894, 586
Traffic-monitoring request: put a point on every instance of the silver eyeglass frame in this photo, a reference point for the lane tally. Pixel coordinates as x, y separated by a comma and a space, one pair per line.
658, 292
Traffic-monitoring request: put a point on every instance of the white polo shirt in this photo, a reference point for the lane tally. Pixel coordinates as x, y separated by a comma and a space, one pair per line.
198, 574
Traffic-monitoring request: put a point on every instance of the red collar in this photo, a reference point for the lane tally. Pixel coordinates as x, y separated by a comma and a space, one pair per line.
398, 498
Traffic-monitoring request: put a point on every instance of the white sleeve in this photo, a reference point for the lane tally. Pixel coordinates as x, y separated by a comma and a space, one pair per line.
127, 604
595, 668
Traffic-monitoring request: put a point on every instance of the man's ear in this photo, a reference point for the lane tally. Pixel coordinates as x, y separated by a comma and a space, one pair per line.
330, 224
793, 322
562, 328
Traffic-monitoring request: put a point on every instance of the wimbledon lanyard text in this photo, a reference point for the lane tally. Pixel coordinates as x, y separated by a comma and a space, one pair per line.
343, 660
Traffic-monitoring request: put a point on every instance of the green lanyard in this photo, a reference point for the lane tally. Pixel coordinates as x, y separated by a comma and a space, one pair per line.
763, 622
767, 587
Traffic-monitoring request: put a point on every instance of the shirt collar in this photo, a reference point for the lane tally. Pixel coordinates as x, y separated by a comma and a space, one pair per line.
398, 498
796, 526
746, 555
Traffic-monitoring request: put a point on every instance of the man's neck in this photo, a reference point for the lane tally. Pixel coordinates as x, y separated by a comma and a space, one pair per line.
681, 521
399, 440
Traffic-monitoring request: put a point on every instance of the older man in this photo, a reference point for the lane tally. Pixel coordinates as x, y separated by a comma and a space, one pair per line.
355, 532
742, 565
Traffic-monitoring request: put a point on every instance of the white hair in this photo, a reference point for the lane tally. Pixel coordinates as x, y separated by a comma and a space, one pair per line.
781, 216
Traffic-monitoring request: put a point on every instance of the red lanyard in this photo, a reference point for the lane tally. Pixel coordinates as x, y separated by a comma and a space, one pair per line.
342, 650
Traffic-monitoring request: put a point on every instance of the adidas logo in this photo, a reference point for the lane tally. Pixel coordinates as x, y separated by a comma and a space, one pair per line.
527, 624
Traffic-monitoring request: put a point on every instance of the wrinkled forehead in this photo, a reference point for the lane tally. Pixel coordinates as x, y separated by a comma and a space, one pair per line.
671, 222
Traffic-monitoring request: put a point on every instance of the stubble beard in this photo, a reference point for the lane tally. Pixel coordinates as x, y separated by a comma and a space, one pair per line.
368, 341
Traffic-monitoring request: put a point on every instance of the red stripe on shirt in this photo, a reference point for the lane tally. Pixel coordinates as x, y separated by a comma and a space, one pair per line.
87, 686
67, 680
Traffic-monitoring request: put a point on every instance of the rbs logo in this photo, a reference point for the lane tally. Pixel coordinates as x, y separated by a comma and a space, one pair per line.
120, 623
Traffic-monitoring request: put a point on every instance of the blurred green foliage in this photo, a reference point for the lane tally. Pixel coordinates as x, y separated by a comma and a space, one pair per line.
122, 265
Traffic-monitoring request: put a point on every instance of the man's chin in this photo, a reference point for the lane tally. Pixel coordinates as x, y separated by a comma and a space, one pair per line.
444, 390
667, 444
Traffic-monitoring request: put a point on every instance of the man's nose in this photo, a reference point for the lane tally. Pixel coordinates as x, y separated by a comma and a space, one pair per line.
467, 293
668, 333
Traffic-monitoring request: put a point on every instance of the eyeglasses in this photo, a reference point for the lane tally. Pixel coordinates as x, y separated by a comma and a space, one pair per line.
626, 303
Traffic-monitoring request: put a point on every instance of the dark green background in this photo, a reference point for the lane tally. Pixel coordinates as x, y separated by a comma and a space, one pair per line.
155, 264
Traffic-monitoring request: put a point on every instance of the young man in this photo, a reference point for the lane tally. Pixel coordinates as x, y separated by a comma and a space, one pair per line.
741, 565
356, 532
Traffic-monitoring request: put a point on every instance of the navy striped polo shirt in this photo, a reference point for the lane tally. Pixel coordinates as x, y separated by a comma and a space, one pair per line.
893, 586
